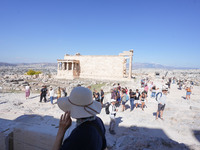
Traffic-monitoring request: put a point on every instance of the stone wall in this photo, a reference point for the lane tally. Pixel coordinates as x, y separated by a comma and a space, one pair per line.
97, 67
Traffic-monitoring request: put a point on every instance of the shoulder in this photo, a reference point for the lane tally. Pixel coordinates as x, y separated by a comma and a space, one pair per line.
85, 136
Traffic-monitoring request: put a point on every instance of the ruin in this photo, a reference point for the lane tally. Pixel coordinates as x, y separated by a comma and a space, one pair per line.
95, 67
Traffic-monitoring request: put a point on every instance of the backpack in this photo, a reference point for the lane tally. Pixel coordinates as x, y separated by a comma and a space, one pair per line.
107, 108
157, 95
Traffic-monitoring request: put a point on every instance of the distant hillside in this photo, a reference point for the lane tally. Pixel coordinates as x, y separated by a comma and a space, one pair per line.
156, 66
29, 64
6, 64
136, 65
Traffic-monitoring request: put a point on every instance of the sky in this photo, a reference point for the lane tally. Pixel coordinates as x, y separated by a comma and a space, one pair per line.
164, 32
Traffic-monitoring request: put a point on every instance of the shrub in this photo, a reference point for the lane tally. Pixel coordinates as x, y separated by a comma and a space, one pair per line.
32, 72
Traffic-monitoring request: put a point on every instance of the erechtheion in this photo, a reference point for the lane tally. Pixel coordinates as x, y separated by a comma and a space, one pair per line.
95, 67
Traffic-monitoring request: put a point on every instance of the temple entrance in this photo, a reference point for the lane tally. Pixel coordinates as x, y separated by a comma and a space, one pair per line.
69, 68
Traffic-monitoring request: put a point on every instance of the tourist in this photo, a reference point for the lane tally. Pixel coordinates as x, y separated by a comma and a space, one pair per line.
153, 91
102, 96
113, 94
146, 89
126, 90
119, 87
150, 86
142, 98
132, 95
94, 94
137, 98
118, 96
58, 93
188, 92
43, 93
51, 94
89, 133
97, 96
27, 90
161, 98
124, 99
63, 92
112, 110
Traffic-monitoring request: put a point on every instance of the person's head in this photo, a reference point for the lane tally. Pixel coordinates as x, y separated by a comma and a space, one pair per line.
118, 84
137, 90
78, 85
58, 88
51, 88
123, 91
130, 90
80, 103
113, 101
164, 90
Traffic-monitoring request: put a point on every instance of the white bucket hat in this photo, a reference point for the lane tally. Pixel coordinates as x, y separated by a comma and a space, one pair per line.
112, 100
80, 103
164, 88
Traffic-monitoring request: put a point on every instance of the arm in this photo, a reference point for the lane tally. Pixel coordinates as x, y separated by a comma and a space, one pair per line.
64, 124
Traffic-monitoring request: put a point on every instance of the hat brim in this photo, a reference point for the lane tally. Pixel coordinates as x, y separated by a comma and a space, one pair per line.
79, 111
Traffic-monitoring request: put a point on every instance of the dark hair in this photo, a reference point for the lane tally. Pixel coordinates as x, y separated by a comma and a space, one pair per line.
123, 91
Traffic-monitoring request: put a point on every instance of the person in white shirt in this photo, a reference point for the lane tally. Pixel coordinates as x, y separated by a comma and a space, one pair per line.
162, 97
113, 111
51, 94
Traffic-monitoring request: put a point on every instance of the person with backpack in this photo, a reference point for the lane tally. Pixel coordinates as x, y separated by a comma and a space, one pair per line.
132, 95
89, 133
161, 97
112, 113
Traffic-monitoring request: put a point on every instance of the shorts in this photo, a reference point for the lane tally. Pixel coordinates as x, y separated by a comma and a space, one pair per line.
123, 102
188, 93
137, 101
161, 107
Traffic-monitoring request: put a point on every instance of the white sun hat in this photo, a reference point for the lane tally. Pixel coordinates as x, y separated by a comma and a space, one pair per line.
80, 103
112, 100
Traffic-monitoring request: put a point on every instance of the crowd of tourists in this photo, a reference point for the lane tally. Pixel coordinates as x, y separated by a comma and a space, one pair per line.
84, 105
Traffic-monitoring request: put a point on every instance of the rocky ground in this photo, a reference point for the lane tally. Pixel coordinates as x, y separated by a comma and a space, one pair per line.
135, 130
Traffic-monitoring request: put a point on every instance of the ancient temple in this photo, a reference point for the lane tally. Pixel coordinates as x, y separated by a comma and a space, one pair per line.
95, 67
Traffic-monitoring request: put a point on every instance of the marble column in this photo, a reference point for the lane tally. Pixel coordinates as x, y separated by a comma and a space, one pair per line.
130, 64
72, 66
67, 66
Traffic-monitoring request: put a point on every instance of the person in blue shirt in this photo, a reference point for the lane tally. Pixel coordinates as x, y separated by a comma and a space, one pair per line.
89, 133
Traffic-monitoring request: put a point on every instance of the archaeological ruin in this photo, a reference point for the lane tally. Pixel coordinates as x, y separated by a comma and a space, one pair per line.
95, 67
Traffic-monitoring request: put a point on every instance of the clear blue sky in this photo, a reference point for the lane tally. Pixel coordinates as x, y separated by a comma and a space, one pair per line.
160, 31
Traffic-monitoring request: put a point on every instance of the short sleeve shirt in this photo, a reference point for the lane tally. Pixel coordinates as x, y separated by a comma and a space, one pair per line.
86, 137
